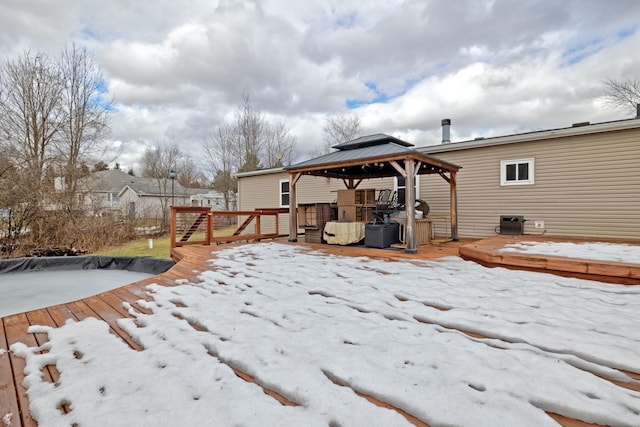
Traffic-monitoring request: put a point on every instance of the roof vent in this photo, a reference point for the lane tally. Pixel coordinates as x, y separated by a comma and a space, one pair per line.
446, 131
577, 125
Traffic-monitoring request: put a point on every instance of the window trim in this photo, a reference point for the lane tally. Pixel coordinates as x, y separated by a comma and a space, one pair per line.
503, 172
416, 181
280, 193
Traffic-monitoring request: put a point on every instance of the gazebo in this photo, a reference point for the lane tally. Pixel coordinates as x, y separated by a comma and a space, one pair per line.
376, 156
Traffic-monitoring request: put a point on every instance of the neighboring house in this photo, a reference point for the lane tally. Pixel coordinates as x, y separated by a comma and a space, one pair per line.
99, 192
114, 191
149, 197
212, 199
576, 181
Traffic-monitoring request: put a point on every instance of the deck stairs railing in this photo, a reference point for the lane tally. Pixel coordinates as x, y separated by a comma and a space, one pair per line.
200, 225
194, 227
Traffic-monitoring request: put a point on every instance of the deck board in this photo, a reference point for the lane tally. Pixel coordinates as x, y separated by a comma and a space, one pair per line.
8, 388
16, 329
60, 314
42, 317
107, 313
192, 260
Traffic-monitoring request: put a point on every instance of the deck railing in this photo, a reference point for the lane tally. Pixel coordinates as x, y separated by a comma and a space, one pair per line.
197, 225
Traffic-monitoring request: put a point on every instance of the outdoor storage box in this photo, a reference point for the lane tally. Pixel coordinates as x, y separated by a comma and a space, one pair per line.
313, 235
315, 215
381, 235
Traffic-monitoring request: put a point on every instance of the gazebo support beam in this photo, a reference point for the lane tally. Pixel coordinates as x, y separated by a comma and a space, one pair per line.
454, 206
399, 168
410, 206
293, 206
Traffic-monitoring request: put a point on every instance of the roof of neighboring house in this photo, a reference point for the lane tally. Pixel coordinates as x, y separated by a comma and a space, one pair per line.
211, 194
159, 187
116, 181
575, 130
109, 181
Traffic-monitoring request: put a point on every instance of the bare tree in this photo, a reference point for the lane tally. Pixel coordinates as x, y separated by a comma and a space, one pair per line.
246, 143
49, 115
279, 146
31, 113
250, 126
31, 117
157, 163
623, 94
221, 152
85, 113
190, 175
339, 128
100, 166
159, 160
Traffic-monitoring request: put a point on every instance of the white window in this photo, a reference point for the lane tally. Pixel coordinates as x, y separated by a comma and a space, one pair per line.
284, 193
401, 187
517, 172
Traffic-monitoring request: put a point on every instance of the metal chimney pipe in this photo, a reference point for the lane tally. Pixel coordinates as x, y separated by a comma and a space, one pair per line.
637, 111
446, 131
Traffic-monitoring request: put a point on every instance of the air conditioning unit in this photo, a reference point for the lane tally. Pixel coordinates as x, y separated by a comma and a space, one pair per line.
512, 225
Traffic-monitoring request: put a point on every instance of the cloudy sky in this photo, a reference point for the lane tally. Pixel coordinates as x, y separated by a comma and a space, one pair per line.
177, 68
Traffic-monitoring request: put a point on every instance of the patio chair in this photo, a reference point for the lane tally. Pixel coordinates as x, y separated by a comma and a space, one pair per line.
385, 204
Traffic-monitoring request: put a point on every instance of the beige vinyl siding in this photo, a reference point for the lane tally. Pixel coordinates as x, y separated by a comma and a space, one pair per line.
584, 186
262, 191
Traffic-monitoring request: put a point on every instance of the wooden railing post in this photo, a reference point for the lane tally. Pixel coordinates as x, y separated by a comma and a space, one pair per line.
209, 232
172, 227
258, 231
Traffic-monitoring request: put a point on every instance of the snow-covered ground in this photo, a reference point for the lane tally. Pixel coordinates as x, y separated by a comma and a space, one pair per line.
299, 321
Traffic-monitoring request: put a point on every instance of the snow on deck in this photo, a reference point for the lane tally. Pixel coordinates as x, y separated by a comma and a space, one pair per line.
316, 327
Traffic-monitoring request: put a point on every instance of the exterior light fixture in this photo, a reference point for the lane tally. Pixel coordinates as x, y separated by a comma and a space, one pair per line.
172, 177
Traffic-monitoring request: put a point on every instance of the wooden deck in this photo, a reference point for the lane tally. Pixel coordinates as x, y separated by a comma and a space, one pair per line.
108, 306
487, 252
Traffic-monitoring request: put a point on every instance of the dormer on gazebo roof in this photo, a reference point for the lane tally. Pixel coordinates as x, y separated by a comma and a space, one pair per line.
371, 140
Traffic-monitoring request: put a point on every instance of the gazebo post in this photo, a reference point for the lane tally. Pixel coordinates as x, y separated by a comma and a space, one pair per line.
410, 205
454, 206
293, 206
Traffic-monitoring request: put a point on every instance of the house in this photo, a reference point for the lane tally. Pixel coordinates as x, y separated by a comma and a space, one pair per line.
575, 181
116, 192
213, 199
151, 197
99, 192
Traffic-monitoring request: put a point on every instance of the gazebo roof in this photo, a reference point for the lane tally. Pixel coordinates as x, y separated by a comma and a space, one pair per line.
369, 157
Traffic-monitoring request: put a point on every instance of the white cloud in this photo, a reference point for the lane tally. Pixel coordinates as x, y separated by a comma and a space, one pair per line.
493, 67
